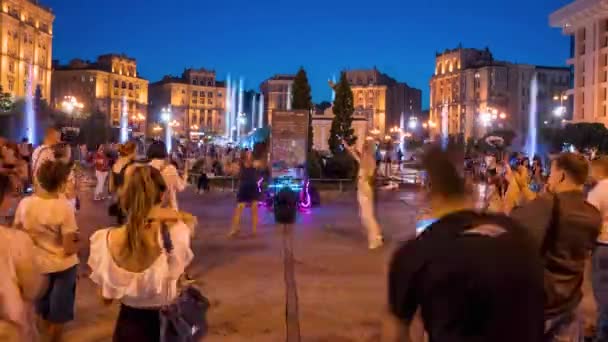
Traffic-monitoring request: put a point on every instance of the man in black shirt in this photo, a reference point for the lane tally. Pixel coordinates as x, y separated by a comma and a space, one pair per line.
471, 276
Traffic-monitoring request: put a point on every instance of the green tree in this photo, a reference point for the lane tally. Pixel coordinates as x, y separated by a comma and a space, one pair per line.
6, 101
302, 99
341, 125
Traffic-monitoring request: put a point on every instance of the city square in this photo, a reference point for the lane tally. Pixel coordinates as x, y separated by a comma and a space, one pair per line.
318, 171
244, 278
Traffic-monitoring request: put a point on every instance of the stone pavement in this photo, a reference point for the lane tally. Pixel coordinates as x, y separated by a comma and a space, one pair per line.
315, 282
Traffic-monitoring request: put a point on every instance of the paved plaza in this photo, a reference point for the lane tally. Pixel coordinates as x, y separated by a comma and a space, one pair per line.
316, 281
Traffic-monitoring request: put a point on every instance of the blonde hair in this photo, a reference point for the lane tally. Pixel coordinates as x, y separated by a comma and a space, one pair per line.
143, 191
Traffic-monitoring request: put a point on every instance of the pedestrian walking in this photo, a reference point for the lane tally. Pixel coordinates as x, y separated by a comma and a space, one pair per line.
50, 221
130, 264
248, 193
564, 228
365, 192
102, 166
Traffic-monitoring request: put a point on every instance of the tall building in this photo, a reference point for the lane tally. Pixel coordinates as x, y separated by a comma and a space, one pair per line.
110, 85
382, 100
26, 33
472, 94
197, 101
276, 94
587, 24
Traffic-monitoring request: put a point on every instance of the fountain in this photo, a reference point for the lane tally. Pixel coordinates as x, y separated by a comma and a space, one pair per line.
444, 126
253, 112
261, 111
30, 115
402, 128
289, 97
531, 140
228, 105
240, 110
124, 121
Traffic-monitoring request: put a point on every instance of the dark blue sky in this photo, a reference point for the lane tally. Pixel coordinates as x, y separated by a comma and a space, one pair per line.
256, 39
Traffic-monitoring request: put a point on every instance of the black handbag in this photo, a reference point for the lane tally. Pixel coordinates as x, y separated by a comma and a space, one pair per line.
185, 318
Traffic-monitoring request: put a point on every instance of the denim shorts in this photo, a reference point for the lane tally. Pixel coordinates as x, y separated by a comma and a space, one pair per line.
57, 304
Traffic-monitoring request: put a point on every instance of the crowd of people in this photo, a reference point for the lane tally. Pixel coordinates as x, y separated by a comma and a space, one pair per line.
511, 271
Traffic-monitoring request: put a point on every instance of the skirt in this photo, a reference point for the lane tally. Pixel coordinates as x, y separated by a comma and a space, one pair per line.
248, 193
134, 324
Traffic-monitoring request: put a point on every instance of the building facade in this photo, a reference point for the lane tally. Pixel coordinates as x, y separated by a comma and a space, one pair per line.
26, 33
321, 128
384, 102
586, 21
276, 95
196, 99
110, 85
472, 94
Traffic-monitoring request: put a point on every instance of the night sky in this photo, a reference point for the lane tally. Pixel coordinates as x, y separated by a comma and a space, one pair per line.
256, 39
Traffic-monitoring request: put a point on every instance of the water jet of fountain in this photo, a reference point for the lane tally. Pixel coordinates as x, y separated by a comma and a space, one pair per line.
253, 111
30, 115
240, 110
532, 139
233, 111
228, 108
444, 126
261, 113
124, 121
289, 97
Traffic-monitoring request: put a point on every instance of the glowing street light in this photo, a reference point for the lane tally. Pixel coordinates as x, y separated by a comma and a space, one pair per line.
194, 127
70, 103
559, 111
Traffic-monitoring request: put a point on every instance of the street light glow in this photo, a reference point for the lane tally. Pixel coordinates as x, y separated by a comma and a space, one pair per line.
559, 111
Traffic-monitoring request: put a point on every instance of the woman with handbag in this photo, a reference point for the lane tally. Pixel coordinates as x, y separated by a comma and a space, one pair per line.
132, 263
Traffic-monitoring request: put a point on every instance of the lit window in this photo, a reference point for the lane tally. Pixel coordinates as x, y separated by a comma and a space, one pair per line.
194, 93
210, 95
209, 101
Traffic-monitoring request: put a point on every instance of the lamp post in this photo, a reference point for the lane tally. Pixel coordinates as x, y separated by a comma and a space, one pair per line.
71, 105
560, 111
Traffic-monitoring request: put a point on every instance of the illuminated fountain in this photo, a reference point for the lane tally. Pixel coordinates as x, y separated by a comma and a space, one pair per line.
531, 140
261, 111
289, 97
124, 121
228, 107
444, 126
253, 112
30, 115
239, 111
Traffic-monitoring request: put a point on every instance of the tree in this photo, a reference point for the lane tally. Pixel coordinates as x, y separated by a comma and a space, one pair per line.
6, 101
302, 99
95, 130
341, 125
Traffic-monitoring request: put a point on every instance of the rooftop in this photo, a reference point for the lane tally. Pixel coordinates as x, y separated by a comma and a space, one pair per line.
43, 7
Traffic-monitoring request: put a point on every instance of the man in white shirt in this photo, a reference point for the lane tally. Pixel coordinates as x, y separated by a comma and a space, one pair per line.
598, 197
45, 151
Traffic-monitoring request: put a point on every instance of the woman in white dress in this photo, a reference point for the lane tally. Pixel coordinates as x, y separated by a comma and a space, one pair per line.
129, 263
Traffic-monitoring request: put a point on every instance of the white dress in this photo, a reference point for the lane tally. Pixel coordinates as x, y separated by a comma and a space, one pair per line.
148, 289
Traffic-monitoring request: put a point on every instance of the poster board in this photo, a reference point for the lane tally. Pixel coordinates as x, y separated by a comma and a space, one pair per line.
289, 136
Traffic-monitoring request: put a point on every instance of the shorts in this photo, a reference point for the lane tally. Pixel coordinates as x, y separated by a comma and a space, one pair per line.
57, 304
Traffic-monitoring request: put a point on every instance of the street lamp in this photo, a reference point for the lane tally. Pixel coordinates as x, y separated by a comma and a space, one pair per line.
71, 105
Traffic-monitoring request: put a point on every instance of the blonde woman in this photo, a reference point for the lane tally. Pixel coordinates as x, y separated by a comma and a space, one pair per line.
129, 263
365, 191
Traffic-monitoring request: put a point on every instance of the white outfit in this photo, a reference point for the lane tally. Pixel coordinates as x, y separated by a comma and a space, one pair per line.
101, 182
598, 197
147, 289
47, 220
17, 252
174, 182
365, 196
40, 155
